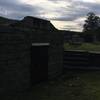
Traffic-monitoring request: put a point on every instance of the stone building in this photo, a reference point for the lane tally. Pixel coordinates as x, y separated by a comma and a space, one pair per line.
28, 54
34, 23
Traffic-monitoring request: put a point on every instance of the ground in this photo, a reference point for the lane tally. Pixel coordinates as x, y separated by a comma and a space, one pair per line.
72, 85
84, 47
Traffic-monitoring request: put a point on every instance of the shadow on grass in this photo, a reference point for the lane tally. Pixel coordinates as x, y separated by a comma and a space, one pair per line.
72, 85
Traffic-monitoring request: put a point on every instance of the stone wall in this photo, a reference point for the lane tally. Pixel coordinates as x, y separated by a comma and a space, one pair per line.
14, 62
34, 23
55, 54
15, 56
81, 60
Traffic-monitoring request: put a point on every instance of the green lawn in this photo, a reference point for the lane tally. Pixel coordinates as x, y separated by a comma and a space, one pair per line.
72, 85
84, 46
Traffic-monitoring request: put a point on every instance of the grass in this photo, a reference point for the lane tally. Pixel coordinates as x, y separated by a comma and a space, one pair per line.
72, 85
84, 46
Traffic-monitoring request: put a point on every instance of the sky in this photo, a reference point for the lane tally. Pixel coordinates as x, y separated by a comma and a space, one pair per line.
63, 14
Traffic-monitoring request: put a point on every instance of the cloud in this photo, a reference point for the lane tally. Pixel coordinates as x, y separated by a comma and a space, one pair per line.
67, 25
17, 9
69, 13
72, 12
76, 10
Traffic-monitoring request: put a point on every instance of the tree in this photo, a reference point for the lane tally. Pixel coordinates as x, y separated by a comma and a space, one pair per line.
92, 22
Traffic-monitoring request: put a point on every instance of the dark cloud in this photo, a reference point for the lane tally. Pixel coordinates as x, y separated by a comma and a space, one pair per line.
73, 9
55, 1
60, 0
16, 9
76, 10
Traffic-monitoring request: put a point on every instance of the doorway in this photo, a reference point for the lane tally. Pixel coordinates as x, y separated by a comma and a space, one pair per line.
39, 62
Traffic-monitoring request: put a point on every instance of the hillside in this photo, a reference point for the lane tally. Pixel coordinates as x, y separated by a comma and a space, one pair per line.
6, 21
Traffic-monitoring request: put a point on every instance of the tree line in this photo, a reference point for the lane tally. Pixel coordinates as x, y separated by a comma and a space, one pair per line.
92, 22
91, 28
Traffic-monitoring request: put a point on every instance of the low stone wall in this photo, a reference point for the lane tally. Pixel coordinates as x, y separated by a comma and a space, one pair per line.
81, 60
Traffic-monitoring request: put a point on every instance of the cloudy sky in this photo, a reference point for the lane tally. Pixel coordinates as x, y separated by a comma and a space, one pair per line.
64, 14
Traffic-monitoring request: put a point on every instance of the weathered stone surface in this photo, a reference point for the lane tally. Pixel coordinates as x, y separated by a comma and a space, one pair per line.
15, 55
